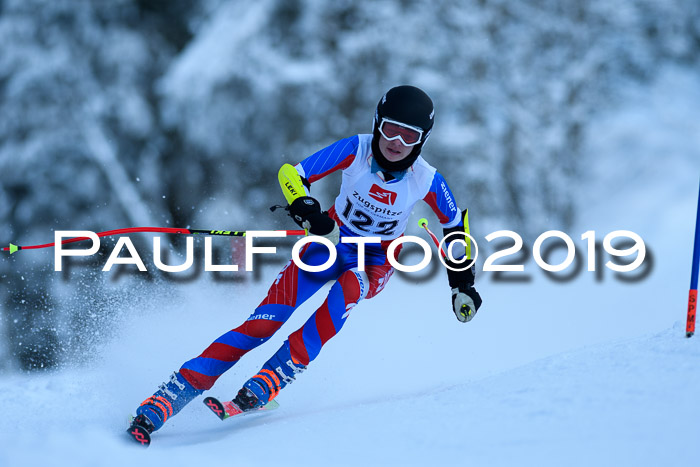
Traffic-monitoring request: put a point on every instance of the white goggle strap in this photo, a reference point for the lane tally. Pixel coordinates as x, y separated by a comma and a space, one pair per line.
420, 132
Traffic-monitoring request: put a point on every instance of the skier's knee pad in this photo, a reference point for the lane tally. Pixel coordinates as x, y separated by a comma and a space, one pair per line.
355, 285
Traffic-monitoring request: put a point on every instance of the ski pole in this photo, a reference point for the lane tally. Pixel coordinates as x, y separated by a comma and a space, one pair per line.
423, 222
170, 230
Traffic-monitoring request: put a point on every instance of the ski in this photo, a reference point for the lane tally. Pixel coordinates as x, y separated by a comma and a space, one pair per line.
138, 432
228, 409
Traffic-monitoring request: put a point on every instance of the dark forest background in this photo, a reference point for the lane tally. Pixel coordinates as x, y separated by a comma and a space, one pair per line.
120, 113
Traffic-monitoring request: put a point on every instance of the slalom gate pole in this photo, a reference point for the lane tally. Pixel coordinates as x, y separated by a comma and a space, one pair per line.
170, 230
693, 294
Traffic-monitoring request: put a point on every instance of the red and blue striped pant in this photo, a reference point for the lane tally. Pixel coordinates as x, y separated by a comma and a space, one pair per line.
292, 287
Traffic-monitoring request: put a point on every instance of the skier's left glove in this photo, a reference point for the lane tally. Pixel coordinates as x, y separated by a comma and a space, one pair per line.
465, 299
306, 212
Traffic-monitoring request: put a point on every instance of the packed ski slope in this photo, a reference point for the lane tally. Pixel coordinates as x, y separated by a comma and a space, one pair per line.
628, 403
579, 373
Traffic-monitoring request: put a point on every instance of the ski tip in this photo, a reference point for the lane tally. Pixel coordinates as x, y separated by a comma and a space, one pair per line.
216, 406
140, 435
225, 410
423, 222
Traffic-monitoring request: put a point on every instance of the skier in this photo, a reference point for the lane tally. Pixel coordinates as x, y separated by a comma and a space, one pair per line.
383, 177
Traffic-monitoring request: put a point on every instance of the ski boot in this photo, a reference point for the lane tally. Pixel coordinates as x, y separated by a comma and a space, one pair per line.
276, 373
258, 392
167, 401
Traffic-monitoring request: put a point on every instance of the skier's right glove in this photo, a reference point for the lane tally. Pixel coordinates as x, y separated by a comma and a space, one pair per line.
465, 299
465, 303
306, 212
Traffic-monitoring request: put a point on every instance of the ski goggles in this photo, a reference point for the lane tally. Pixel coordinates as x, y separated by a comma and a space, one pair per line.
391, 130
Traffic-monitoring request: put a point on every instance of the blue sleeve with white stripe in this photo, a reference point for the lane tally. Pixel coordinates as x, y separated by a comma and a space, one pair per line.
442, 202
338, 155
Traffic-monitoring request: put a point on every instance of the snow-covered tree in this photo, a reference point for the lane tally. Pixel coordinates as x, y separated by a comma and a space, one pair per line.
138, 112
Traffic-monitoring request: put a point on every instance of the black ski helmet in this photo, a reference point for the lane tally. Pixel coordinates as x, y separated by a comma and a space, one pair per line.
409, 105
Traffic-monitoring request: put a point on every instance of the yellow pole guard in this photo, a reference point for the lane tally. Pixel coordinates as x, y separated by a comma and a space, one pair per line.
466, 230
290, 182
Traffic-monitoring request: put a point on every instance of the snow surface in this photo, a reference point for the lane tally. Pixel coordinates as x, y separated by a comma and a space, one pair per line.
579, 373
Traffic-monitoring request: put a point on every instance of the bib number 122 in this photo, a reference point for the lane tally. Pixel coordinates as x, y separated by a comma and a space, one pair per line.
364, 222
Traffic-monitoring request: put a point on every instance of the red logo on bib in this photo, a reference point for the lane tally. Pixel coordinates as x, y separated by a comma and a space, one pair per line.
382, 195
